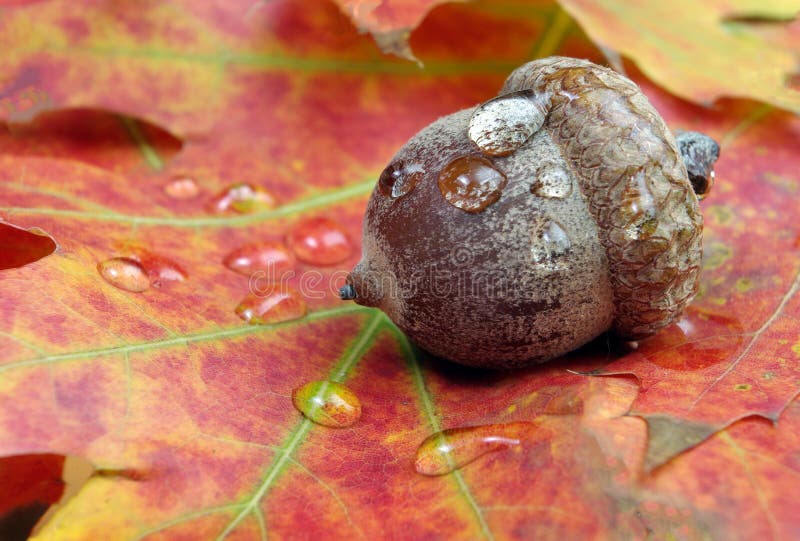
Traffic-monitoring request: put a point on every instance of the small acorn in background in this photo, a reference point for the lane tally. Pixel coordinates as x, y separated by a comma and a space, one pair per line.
519, 230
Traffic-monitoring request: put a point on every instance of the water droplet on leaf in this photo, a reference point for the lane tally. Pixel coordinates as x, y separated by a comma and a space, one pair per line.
20, 247
124, 273
446, 451
269, 256
243, 198
320, 241
182, 188
281, 304
327, 403
548, 242
159, 269
471, 183
552, 181
399, 178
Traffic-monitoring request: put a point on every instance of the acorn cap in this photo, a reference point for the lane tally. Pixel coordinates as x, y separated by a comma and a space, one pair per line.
629, 169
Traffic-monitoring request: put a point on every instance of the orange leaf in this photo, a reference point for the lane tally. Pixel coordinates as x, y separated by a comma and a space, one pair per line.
186, 410
390, 23
702, 51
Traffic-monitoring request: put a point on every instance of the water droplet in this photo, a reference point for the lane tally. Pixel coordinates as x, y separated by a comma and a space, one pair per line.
327, 403
182, 188
552, 181
124, 273
399, 178
243, 198
282, 304
501, 125
471, 183
159, 269
446, 451
20, 247
269, 256
548, 241
320, 241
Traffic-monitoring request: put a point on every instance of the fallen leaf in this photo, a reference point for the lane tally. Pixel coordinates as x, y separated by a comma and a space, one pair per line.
31, 483
390, 23
188, 410
701, 52
751, 468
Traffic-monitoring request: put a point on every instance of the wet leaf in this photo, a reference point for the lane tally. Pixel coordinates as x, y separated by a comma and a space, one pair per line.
390, 23
186, 410
705, 51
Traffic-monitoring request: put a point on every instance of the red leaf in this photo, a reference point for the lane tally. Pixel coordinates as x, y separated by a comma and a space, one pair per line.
186, 409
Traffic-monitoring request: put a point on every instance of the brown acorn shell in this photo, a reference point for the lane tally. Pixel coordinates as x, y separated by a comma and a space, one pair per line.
472, 287
629, 168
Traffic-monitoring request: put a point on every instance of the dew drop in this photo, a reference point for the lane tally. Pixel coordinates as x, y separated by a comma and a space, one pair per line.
282, 304
320, 241
552, 181
327, 403
471, 183
20, 247
399, 178
243, 198
501, 125
446, 451
182, 188
159, 269
548, 242
270, 257
124, 273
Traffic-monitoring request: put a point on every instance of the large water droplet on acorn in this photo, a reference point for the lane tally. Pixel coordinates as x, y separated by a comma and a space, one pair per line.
320, 241
271, 257
471, 183
327, 403
446, 451
20, 247
281, 304
243, 198
501, 125
182, 188
548, 242
552, 181
399, 178
124, 273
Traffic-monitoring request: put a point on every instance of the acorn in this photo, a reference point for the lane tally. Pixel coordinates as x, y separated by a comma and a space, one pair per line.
519, 230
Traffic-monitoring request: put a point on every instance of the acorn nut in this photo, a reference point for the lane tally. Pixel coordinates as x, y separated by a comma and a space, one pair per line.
519, 230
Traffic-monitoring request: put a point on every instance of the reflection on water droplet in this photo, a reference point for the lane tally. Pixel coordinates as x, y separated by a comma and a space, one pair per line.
320, 241
471, 183
124, 273
270, 256
243, 198
182, 188
552, 181
446, 451
399, 178
20, 247
282, 304
327, 403
548, 242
